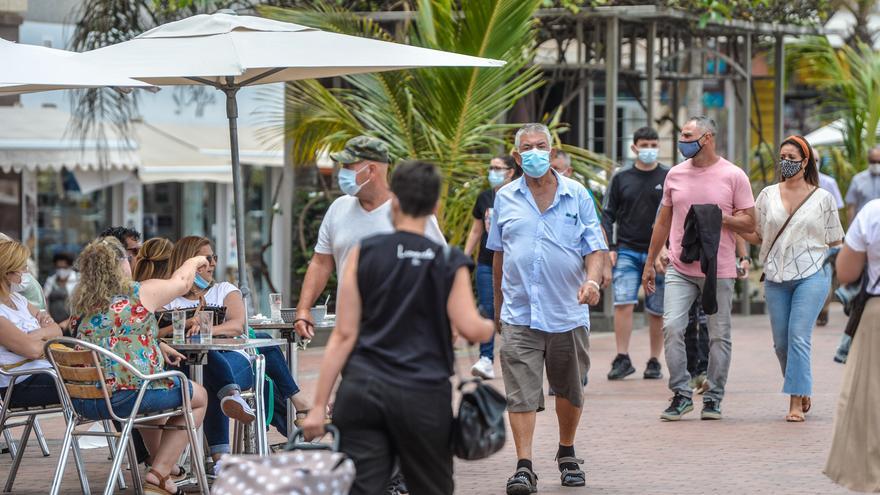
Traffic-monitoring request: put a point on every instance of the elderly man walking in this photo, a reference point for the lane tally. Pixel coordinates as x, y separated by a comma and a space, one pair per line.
548, 262
731, 192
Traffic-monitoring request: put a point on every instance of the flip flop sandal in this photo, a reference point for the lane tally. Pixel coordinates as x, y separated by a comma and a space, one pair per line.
181, 472
794, 418
523, 482
806, 404
154, 489
571, 477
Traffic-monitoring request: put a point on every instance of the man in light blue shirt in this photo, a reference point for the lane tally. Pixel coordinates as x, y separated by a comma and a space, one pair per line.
547, 266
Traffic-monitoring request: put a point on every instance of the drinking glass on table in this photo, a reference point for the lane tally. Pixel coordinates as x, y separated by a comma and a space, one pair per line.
178, 325
206, 326
275, 307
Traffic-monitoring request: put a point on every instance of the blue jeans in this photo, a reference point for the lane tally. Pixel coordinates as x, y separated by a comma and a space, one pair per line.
794, 306
225, 372
33, 391
485, 301
628, 278
155, 400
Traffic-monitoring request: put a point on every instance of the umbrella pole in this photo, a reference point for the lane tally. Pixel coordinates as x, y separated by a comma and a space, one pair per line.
238, 193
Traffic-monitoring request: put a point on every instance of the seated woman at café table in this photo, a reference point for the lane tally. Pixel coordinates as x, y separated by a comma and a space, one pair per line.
23, 331
152, 261
116, 313
234, 372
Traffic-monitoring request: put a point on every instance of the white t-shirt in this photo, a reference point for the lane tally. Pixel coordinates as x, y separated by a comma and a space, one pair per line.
23, 320
864, 237
346, 223
214, 297
800, 250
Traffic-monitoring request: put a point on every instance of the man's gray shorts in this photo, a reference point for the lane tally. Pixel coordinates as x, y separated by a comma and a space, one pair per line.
525, 353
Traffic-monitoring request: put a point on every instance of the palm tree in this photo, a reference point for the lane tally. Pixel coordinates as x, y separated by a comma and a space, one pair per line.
849, 79
452, 116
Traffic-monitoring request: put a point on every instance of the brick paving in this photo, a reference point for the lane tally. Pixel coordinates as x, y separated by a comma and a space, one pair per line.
626, 447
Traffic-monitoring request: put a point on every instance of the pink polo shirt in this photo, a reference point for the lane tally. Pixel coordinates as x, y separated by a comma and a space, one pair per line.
723, 184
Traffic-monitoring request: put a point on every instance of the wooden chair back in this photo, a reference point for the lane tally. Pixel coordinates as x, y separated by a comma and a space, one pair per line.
80, 372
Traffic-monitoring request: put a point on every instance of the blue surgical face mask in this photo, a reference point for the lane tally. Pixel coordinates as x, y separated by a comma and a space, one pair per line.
648, 156
497, 177
347, 179
535, 162
201, 283
689, 149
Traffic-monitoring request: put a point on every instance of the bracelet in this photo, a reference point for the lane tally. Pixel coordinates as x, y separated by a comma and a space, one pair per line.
745, 258
595, 284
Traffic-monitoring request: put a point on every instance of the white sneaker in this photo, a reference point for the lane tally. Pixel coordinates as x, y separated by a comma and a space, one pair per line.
235, 407
483, 369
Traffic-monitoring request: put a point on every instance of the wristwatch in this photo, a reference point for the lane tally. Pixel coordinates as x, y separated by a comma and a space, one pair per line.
745, 258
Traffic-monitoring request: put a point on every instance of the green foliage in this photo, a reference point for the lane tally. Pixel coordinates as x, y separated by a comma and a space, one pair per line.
849, 80
783, 11
451, 116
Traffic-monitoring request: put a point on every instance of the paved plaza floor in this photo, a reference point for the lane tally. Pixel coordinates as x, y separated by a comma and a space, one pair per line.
627, 449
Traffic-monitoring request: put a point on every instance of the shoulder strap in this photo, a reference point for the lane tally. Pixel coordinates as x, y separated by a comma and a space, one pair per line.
787, 220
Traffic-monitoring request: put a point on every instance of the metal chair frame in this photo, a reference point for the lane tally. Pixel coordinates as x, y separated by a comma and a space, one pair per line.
135, 419
244, 436
31, 423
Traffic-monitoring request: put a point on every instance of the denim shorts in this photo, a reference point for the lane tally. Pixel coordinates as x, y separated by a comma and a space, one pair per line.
628, 279
155, 400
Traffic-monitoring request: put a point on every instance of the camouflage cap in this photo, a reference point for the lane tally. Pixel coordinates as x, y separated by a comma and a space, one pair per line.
362, 148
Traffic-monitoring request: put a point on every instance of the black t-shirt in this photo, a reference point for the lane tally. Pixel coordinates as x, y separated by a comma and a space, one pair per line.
483, 211
632, 201
404, 281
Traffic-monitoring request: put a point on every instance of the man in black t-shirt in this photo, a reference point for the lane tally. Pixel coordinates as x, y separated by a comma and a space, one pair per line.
401, 295
502, 169
631, 205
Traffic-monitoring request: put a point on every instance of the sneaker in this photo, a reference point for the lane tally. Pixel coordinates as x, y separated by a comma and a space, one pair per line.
679, 406
653, 370
621, 368
711, 409
483, 369
523, 482
235, 407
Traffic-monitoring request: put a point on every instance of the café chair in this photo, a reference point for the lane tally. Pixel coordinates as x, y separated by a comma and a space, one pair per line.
80, 372
30, 423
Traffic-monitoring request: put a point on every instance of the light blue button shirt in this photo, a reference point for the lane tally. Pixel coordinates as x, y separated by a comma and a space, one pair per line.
544, 254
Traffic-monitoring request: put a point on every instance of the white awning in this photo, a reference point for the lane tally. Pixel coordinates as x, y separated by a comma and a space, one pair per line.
38, 139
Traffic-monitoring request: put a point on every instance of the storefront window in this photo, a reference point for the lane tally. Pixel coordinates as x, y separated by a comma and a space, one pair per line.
174, 210
258, 197
10, 204
67, 220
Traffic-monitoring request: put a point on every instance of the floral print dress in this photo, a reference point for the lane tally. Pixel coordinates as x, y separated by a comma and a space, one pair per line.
128, 330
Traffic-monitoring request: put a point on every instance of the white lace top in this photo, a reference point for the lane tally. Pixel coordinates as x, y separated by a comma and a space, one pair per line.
800, 250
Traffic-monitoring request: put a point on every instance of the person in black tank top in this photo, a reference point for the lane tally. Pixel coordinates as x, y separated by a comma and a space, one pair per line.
400, 298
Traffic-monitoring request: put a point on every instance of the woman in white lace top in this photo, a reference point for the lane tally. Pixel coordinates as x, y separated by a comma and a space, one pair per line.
793, 253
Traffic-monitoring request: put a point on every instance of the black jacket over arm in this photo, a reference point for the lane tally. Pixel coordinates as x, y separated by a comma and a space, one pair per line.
702, 235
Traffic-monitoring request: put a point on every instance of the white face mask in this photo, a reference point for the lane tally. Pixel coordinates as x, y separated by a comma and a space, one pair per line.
63, 272
874, 168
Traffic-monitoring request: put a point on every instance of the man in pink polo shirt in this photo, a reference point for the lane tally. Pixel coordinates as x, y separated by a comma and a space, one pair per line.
704, 178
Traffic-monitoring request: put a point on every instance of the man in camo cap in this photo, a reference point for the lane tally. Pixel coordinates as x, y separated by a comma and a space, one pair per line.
364, 210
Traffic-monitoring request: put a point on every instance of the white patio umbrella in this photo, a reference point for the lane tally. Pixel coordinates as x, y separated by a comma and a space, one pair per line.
31, 68
229, 51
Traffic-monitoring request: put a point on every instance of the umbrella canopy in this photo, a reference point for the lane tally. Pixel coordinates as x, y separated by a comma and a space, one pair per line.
30, 68
229, 51
216, 47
